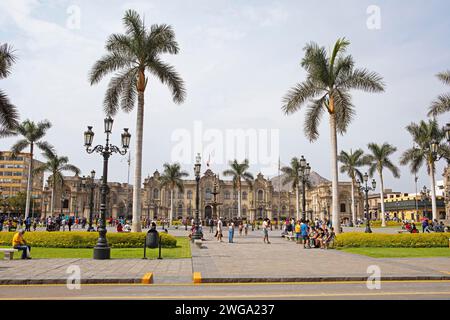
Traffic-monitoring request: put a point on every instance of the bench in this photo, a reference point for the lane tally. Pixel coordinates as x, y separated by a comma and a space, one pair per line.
9, 253
198, 243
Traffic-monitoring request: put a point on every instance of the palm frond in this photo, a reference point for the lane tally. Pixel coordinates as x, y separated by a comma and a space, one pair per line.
363, 79
297, 96
344, 110
167, 75
313, 117
19, 146
107, 64
122, 85
7, 59
161, 39
9, 115
444, 77
440, 105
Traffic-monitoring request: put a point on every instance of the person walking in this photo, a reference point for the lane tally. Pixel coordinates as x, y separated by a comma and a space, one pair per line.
246, 228
230, 232
265, 228
219, 230
304, 231
211, 225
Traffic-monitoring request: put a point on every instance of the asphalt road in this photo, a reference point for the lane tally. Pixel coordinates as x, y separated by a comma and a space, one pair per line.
404, 290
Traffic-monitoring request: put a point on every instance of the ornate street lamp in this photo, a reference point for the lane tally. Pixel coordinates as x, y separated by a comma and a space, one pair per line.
89, 182
365, 188
305, 171
425, 196
197, 168
102, 250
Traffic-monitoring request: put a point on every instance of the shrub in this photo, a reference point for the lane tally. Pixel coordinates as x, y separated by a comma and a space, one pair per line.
405, 240
390, 223
85, 239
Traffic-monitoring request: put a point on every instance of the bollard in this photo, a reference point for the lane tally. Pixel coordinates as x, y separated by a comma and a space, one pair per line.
159, 256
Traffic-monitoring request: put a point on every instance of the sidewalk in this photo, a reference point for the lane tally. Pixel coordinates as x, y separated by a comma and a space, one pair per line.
246, 260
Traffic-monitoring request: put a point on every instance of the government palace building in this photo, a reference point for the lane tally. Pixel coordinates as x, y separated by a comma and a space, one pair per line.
265, 198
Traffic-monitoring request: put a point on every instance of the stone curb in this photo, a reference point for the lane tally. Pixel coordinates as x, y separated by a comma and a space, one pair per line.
64, 281
321, 279
227, 280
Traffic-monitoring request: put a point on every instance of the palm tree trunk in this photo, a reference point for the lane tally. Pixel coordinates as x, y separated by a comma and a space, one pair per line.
239, 199
433, 192
171, 206
29, 182
383, 218
52, 205
334, 174
353, 203
136, 227
297, 202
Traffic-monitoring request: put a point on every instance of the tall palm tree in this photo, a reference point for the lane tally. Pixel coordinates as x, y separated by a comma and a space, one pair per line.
351, 162
32, 135
9, 115
172, 178
239, 172
131, 55
292, 175
442, 103
424, 135
379, 160
56, 166
327, 89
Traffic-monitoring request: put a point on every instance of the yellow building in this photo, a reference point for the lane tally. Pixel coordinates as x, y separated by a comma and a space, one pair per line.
14, 178
412, 207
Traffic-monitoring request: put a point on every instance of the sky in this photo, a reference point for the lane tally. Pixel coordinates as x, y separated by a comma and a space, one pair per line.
238, 59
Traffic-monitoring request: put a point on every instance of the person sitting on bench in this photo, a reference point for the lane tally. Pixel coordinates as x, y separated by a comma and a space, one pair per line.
19, 243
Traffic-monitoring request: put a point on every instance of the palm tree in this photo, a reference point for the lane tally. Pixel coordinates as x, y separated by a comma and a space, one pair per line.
292, 175
33, 134
424, 135
132, 55
350, 163
239, 171
56, 166
442, 104
8, 113
327, 89
379, 160
172, 178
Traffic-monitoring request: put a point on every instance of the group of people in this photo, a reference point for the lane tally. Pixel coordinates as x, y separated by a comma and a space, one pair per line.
316, 234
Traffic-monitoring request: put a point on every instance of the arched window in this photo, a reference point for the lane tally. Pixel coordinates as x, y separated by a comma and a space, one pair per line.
227, 195
180, 210
244, 195
260, 195
244, 212
189, 194
155, 194
180, 194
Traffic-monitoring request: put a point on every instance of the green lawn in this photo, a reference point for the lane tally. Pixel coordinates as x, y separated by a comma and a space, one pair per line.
183, 250
400, 252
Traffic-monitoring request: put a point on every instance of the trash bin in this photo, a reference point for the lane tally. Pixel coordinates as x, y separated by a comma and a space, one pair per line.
152, 239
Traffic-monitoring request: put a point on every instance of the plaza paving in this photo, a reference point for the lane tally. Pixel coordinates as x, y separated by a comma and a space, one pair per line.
246, 260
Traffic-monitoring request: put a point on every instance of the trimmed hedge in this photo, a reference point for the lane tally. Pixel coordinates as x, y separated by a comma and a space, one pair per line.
85, 239
390, 223
404, 240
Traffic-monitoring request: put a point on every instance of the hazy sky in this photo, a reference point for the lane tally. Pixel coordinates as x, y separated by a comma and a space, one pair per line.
238, 59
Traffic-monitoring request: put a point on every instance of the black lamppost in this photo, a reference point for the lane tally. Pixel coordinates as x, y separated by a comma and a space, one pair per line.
366, 189
102, 250
304, 173
425, 196
89, 183
197, 167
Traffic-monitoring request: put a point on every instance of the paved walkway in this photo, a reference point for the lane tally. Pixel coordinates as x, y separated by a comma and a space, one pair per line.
249, 258
246, 260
